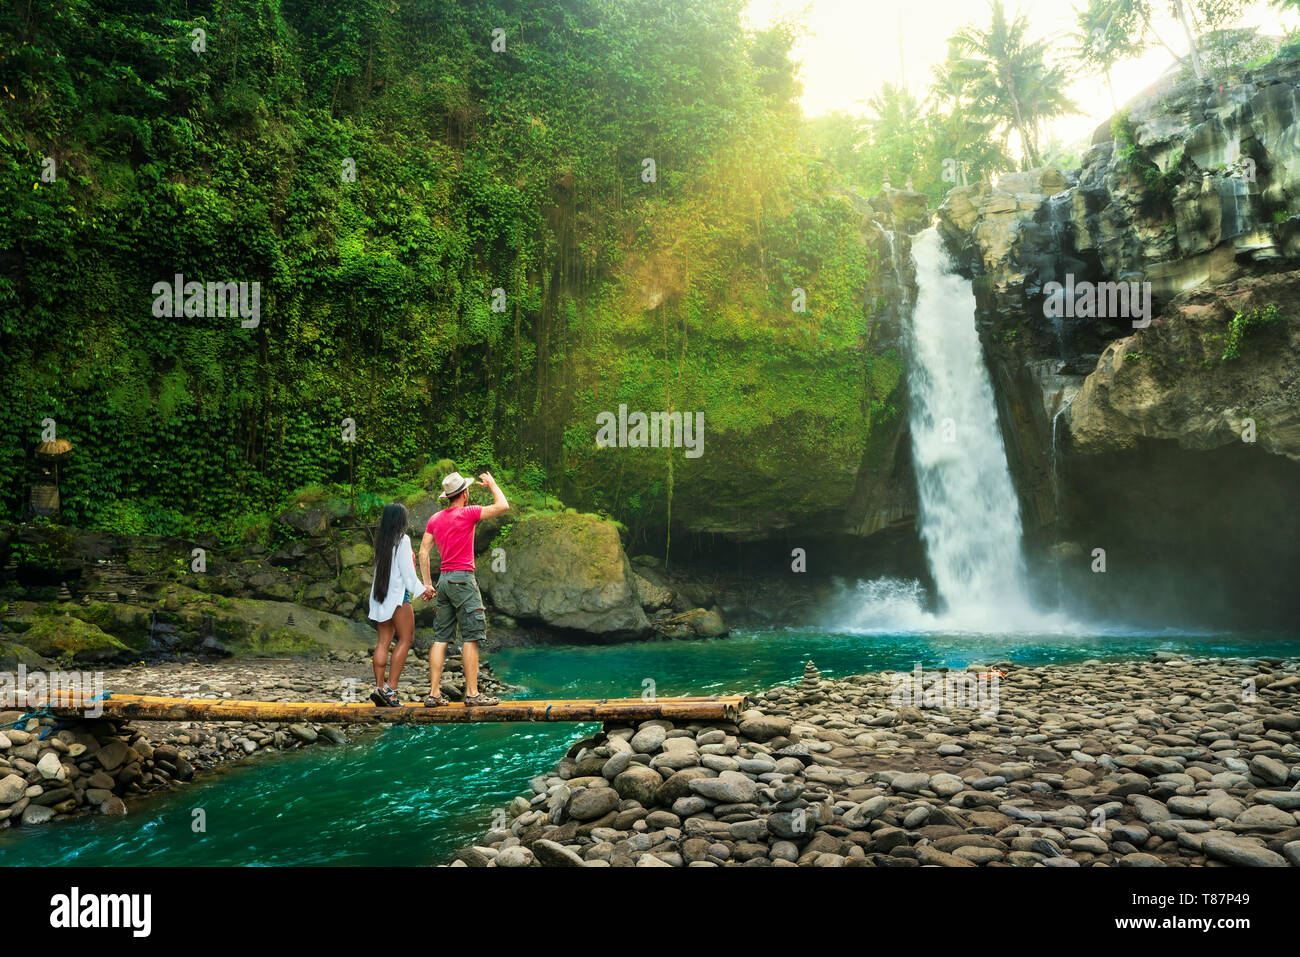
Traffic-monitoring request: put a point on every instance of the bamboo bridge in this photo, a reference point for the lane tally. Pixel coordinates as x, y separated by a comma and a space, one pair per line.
151, 708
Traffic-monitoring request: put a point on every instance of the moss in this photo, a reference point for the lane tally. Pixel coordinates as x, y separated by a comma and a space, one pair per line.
279, 641
13, 654
65, 638
1242, 324
127, 623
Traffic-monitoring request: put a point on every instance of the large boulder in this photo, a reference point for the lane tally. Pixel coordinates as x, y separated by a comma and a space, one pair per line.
71, 639
311, 519
566, 571
1171, 380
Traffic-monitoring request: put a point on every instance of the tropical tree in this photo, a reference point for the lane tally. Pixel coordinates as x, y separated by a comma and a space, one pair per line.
1107, 32
962, 133
1005, 76
1124, 28
896, 134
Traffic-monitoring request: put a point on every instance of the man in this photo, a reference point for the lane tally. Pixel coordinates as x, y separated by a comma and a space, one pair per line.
457, 598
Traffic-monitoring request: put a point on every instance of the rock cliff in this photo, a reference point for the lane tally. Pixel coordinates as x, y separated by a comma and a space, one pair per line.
1183, 411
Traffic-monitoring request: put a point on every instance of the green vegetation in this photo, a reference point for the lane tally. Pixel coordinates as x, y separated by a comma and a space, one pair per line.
984, 113
65, 639
1243, 323
476, 225
520, 170
1113, 30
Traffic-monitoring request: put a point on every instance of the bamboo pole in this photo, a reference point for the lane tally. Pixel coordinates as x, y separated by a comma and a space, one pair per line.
151, 708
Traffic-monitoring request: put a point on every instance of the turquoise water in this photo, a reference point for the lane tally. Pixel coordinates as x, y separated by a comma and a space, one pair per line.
412, 795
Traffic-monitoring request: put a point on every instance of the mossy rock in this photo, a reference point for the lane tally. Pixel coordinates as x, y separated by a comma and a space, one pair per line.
567, 571
356, 580
13, 654
279, 641
66, 638
361, 554
127, 623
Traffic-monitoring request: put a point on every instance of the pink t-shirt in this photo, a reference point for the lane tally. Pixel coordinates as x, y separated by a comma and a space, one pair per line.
453, 531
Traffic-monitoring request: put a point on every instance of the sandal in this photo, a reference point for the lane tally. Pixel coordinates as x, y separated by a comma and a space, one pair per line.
393, 700
434, 701
481, 700
380, 699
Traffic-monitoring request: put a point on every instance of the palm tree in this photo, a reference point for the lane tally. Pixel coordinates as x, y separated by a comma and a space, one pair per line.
1006, 76
896, 129
960, 130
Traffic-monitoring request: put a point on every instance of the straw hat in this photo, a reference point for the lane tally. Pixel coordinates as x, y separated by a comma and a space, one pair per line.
454, 484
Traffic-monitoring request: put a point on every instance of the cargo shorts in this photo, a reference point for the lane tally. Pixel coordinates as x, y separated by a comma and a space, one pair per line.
458, 603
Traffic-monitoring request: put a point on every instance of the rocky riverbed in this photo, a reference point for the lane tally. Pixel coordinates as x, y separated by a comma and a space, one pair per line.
52, 770
1173, 762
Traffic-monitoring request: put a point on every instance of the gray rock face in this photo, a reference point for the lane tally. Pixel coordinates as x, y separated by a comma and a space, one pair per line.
1194, 188
567, 571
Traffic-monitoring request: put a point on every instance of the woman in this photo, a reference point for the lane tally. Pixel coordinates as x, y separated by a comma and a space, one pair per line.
390, 601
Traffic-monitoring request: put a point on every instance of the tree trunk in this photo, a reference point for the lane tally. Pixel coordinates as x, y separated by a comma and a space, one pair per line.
1181, 10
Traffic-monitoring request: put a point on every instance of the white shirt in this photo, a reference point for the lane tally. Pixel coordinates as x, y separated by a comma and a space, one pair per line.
401, 579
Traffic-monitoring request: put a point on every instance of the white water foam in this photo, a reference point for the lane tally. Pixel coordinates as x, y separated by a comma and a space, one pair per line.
969, 513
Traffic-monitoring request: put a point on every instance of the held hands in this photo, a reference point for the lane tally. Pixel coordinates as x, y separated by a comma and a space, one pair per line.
428, 594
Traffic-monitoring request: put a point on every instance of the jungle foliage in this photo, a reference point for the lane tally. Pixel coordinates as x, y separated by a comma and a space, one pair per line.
497, 145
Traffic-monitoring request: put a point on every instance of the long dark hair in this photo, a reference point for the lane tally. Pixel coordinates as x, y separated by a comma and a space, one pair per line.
392, 525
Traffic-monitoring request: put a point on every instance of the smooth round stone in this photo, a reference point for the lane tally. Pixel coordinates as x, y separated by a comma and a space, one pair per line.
685, 807
720, 762
789, 851
649, 739
616, 765
518, 856
916, 817
1090, 844
946, 785
978, 855
1138, 859
910, 781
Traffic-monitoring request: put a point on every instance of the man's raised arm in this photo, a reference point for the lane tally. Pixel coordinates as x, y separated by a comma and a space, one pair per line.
499, 504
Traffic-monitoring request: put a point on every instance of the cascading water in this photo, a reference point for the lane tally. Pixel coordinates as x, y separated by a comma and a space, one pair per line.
970, 518
969, 514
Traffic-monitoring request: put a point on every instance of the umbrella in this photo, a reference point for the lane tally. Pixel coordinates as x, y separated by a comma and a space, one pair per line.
54, 448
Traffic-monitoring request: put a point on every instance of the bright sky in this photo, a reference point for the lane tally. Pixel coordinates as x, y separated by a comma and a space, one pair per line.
852, 47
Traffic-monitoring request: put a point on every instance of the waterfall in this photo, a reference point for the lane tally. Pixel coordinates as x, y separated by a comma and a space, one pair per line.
969, 514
